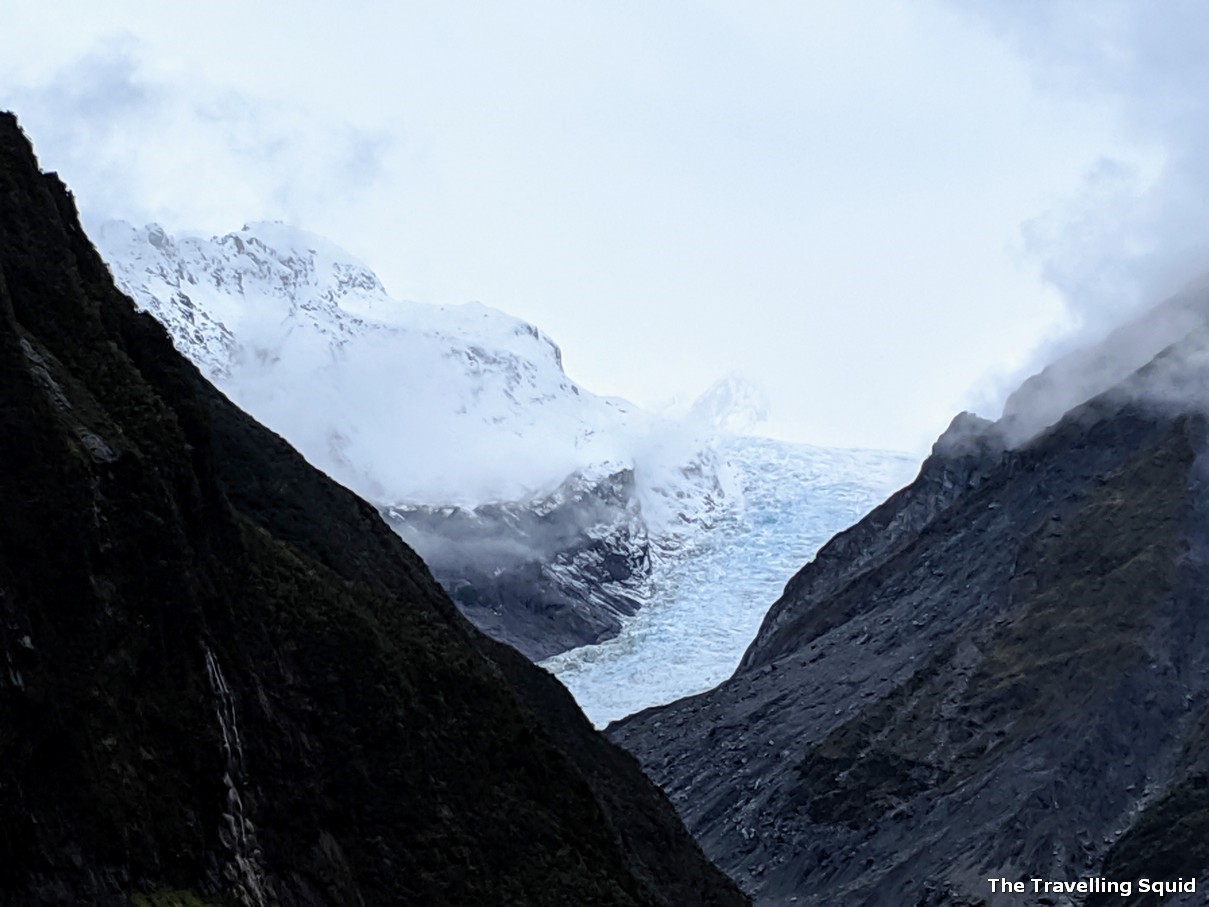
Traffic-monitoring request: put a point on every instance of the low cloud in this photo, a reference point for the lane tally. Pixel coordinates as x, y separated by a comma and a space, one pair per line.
104, 121
1135, 232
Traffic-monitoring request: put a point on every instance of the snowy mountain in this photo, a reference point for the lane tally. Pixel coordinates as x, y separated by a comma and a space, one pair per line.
536, 503
550, 514
305, 337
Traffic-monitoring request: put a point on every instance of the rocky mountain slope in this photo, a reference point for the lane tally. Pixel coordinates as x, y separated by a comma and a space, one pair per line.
1003, 671
543, 575
224, 680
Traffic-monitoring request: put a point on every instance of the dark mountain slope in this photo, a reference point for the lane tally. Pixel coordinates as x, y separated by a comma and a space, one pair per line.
225, 680
1002, 671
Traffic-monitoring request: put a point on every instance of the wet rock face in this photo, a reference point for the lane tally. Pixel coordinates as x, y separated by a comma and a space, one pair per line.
1001, 672
223, 679
544, 575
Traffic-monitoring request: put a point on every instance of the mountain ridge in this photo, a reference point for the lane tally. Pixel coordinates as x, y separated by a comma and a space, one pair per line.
306, 338
291, 309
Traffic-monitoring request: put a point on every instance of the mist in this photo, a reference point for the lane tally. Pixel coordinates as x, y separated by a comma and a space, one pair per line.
404, 402
1125, 249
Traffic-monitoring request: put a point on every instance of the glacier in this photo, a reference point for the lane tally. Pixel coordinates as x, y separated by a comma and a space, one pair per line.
444, 416
707, 599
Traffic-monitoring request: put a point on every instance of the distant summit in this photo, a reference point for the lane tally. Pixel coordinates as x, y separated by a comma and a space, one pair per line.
542, 508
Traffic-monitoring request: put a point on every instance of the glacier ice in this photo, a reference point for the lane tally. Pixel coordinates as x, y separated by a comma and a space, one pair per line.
707, 599
418, 404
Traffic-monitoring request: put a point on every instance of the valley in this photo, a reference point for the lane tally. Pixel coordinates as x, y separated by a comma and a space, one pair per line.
945, 679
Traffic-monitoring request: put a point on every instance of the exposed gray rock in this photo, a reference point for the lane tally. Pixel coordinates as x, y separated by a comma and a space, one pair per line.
544, 575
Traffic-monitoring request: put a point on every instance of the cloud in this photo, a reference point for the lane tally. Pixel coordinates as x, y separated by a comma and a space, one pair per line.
102, 121
1135, 230
809, 195
82, 118
102, 88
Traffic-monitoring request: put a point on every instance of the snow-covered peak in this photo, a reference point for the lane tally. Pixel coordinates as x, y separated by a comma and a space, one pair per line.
271, 260
431, 411
284, 271
401, 401
731, 405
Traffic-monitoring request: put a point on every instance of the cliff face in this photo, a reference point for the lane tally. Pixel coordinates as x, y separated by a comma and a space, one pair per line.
1001, 672
223, 679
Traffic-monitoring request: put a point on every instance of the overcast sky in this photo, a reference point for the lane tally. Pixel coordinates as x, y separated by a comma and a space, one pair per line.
877, 212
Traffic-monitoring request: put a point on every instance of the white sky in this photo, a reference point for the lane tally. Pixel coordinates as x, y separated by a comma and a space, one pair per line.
877, 212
